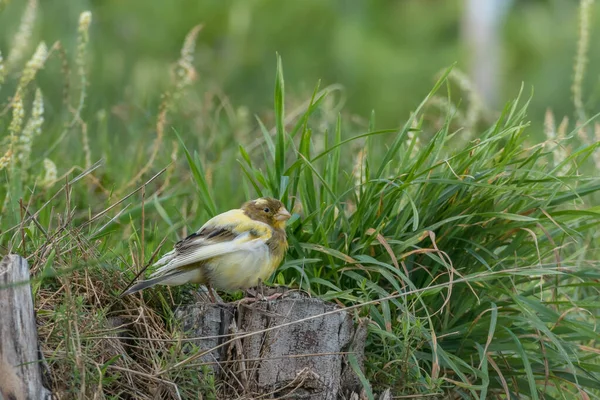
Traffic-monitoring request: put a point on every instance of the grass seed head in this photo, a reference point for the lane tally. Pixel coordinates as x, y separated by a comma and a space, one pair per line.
32, 129
23, 36
33, 66
16, 124
581, 59
50, 173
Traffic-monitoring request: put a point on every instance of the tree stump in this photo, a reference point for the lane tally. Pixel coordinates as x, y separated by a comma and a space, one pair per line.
20, 367
303, 360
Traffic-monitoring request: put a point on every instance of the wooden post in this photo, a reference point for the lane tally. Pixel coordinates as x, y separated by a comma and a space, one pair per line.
20, 367
306, 360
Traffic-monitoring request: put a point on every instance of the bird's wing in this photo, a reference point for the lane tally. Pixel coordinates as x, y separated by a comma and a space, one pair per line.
226, 233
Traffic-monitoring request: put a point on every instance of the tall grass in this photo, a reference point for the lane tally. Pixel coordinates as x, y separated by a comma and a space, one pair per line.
474, 260
489, 242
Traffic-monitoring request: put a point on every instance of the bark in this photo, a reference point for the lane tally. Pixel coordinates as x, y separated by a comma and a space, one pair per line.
304, 360
20, 361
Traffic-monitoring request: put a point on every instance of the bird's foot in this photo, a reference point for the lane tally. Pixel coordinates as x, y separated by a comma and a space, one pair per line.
259, 297
206, 294
258, 294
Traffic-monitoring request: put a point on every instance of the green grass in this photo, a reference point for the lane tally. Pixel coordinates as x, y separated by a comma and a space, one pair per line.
475, 259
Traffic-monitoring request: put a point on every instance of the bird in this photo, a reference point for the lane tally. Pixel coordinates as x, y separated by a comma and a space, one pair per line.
237, 249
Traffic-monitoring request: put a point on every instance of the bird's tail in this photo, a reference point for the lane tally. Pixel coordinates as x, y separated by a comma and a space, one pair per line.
141, 285
173, 278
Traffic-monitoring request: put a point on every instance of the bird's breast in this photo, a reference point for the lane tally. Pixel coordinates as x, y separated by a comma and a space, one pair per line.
239, 270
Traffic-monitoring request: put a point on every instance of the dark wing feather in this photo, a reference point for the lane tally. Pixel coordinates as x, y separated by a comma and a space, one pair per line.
204, 237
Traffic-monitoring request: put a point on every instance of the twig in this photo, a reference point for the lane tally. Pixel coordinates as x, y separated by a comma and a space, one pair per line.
142, 258
101, 213
22, 207
334, 353
145, 375
146, 266
59, 191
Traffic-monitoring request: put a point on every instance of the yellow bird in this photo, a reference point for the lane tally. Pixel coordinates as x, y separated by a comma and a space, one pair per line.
234, 250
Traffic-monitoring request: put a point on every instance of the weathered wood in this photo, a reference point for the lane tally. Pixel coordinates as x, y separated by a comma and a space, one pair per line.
350, 381
386, 395
206, 320
18, 333
305, 360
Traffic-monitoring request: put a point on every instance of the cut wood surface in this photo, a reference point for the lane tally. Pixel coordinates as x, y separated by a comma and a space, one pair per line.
19, 347
305, 360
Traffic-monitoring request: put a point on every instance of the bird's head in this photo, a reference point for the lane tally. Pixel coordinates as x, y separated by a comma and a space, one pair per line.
268, 210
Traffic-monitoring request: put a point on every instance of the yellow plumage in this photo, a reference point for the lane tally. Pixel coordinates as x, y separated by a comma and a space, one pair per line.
233, 250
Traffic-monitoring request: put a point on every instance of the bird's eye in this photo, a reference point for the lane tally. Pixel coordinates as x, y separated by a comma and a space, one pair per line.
266, 209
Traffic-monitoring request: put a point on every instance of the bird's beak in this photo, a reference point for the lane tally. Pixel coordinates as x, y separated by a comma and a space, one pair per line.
283, 215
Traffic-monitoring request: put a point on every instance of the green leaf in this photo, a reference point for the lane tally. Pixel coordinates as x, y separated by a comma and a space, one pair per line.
353, 361
279, 121
200, 178
526, 364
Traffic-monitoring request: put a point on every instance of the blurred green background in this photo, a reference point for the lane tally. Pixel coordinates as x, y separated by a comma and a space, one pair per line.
385, 53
